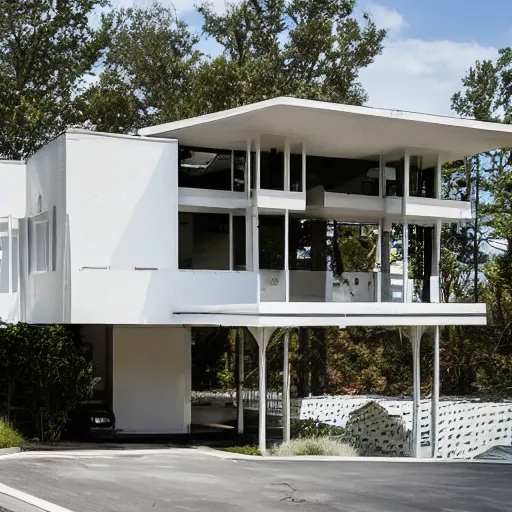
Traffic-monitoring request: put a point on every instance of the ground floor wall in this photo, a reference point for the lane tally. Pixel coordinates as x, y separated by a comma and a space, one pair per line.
151, 381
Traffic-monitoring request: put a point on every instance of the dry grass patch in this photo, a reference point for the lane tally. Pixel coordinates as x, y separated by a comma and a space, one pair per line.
9, 437
326, 446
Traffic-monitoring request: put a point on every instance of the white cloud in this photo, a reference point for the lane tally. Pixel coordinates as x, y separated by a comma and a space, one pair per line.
390, 19
181, 6
419, 75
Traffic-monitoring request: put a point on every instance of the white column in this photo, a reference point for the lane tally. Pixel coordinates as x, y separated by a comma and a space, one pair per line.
286, 387
304, 162
287, 164
231, 254
256, 251
232, 171
382, 176
405, 254
248, 170
438, 178
249, 265
416, 333
287, 254
258, 163
10, 250
407, 176
379, 262
434, 429
240, 390
435, 291
262, 424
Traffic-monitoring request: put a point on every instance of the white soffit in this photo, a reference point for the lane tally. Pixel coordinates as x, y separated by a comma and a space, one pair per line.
331, 129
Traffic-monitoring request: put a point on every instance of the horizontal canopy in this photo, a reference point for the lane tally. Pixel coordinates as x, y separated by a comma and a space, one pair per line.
331, 129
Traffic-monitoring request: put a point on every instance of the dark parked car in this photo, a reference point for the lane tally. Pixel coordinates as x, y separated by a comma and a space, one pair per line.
91, 420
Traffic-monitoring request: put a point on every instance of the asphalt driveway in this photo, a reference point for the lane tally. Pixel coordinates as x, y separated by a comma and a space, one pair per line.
178, 480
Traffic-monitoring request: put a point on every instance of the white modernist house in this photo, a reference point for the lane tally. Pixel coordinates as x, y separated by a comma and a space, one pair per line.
194, 223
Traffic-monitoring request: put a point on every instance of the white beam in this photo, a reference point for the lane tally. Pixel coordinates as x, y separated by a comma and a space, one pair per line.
435, 395
249, 264
382, 176
286, 387
240, 389
407, 176
256, 251
416, 333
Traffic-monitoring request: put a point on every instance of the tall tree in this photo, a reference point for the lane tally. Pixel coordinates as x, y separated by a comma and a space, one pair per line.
271, 48
147, 72
46, 49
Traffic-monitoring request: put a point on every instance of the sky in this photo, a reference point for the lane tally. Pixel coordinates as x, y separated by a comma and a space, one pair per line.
430, 46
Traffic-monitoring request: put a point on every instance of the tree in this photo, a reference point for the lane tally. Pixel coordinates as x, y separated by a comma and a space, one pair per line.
271, 48
46, 49
147, 72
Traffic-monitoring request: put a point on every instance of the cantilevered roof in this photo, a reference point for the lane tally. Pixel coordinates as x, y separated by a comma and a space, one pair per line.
332, 129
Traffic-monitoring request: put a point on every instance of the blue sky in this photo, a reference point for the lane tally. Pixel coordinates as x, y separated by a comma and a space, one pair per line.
430, 46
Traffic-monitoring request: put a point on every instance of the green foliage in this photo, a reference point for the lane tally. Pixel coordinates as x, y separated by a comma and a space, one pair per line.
46, 49
310, 427
244, 450
320, 446
9, 437
43, 375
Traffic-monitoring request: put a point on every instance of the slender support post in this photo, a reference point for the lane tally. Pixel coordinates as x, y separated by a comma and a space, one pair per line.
248, 170
240, 388
287, 254
258, 163
249, 265
438, 178
286, 387
386, 261
10, 250
405, 254
262, 426
435, 291
379, 262
382, 176
231, 252
407, 179
304, 163
416, 333
256, 251
287, 164
232, 171
435, 395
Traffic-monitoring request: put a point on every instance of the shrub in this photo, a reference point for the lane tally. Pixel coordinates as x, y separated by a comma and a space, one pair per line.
9, 437
314, 446
244, 450
43, 375
310, 427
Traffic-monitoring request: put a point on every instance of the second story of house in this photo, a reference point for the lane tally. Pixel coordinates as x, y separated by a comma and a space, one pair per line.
263, 206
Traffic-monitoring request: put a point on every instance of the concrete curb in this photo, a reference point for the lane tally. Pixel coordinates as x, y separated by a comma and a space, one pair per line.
38, 503
316, 458
9, 451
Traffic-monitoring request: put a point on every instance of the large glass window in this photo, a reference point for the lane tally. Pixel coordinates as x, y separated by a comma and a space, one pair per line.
212, 169
342, 175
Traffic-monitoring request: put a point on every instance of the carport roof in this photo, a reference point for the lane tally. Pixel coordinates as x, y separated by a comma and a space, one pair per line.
331, 129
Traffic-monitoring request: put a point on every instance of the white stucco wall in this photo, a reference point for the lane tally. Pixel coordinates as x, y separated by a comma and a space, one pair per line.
152, 379
46, 295
12, 188
122, 200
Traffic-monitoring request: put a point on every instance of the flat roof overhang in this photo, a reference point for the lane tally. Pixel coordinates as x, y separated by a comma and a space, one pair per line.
338, 130
309, 314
